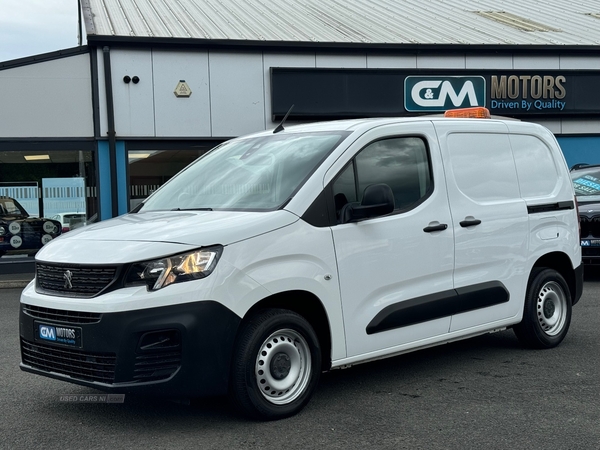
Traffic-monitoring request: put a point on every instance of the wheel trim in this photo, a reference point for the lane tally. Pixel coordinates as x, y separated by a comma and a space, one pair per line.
277, 386
551, 308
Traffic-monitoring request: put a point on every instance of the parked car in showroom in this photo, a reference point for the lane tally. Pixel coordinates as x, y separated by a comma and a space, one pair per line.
21, 234
70, 220
586, 181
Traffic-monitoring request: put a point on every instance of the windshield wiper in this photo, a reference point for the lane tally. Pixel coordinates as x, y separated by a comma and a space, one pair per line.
192, 209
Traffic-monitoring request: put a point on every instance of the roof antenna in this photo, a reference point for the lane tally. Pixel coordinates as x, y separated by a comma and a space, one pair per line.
280, 126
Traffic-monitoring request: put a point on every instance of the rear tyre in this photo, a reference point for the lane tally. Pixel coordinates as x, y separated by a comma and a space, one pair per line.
547, 311
276, 366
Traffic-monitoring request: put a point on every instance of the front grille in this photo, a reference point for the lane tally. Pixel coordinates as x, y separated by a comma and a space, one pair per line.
590, 226
31, 232
590, 251
59, 315
85, 281
77, 364
156, 366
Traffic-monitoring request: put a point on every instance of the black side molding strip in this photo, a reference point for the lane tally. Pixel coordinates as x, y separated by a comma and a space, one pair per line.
551, 207
438, 305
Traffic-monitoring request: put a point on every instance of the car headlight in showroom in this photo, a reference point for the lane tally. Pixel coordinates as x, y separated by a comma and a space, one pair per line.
159, 273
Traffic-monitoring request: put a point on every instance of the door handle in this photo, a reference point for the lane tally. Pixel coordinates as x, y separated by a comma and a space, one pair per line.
438, 227
469, 222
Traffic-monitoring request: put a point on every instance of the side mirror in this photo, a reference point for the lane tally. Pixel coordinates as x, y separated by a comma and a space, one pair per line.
378, 200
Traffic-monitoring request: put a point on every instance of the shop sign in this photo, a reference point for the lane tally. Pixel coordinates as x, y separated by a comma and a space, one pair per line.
529, 93
347, 93
441, 93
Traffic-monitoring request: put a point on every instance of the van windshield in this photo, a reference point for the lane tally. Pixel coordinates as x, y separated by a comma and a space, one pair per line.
258, 173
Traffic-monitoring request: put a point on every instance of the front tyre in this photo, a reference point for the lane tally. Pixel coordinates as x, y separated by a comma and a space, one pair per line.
276, 366
547, 312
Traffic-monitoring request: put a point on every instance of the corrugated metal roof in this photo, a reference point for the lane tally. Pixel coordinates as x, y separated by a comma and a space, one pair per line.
562, 22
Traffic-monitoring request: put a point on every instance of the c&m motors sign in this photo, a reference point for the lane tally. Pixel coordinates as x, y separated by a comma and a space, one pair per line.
426, 94
328, 93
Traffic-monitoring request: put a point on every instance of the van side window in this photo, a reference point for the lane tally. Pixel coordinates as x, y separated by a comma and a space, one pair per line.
401, 163
344, 189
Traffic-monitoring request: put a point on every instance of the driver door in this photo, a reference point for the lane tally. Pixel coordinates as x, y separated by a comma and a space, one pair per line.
393, 268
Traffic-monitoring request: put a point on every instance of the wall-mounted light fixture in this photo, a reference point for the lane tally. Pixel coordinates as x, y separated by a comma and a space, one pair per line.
36, 157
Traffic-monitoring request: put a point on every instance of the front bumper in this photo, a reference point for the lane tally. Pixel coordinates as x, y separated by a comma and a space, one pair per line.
590, 254
182, 350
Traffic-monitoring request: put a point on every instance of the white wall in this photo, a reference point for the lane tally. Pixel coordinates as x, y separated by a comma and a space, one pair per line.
47, 99
134, 103
193, 114
231, 92
237, 93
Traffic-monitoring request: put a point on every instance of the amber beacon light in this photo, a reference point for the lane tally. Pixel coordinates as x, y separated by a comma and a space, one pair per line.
478, 112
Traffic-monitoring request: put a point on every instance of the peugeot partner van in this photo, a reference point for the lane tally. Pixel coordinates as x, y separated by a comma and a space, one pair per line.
280, 255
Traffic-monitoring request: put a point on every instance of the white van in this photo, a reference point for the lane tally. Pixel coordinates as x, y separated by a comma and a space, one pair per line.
280, 255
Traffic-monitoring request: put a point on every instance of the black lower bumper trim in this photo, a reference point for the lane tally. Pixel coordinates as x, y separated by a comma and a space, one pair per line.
181, 350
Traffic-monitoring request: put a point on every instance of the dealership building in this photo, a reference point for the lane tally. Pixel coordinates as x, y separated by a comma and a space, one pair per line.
156, 84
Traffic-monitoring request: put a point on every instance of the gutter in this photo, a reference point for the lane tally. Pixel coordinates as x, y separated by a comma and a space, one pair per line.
112, 145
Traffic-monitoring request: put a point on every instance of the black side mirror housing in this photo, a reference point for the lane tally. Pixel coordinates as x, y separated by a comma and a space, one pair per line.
378, 200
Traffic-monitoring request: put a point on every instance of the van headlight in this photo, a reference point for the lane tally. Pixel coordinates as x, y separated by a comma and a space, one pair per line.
158, 273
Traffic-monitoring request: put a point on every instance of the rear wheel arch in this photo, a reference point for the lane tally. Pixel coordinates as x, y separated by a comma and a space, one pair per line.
562, 264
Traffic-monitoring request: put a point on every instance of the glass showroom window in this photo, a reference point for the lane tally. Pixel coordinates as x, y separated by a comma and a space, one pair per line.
149, 169
45, 193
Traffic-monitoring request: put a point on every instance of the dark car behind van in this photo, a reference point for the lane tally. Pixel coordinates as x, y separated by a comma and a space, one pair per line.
21, 234
586, 181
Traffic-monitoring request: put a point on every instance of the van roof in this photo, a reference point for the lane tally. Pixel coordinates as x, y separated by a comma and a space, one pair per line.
355, 124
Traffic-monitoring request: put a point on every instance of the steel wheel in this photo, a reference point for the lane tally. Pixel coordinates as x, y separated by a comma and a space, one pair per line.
547, 310
276, 364
283, 367
551, 308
